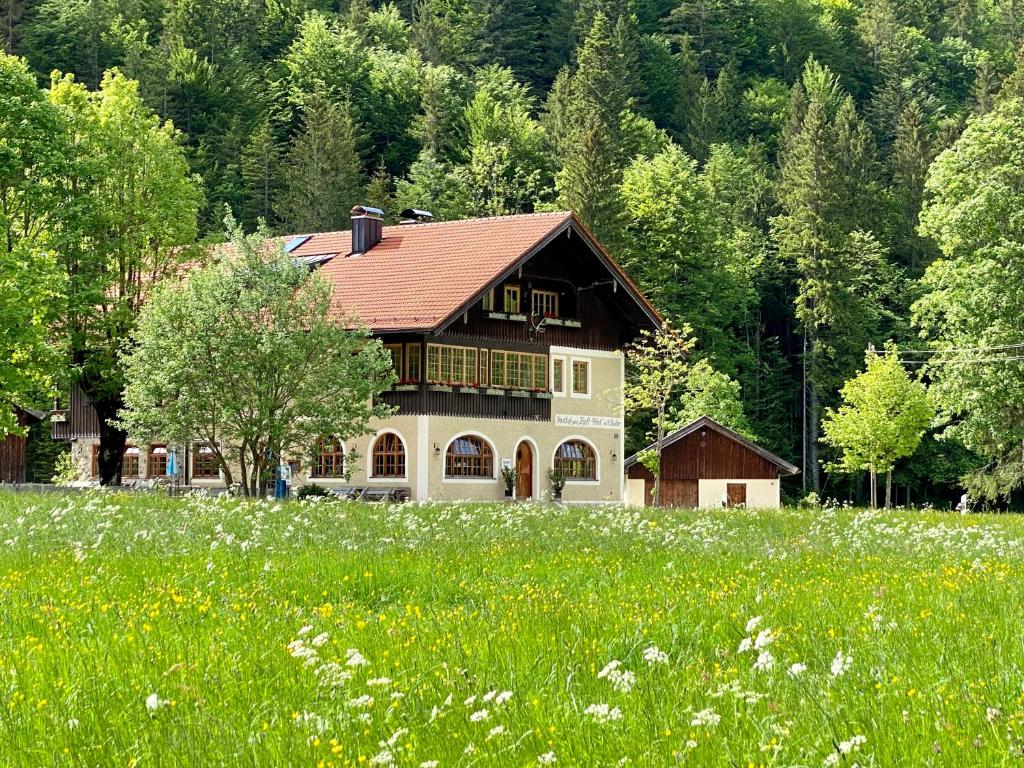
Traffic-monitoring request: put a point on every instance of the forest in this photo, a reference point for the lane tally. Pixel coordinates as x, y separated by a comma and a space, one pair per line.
795, 179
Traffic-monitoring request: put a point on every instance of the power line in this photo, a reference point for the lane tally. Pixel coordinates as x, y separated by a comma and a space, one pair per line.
964, 361
1000, 348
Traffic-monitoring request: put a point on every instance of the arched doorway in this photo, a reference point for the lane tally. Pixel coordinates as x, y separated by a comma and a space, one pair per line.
524, 471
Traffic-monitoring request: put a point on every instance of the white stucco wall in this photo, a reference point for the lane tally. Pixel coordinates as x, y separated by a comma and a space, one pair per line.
761, 494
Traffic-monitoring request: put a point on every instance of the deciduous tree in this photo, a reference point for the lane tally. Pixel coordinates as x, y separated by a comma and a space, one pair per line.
245, 358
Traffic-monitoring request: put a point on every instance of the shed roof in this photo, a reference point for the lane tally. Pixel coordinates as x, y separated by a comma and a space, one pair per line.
785, 468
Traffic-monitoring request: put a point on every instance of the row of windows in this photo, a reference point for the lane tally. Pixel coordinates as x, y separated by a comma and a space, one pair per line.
542, 303
469, 366
204, 463
468, 456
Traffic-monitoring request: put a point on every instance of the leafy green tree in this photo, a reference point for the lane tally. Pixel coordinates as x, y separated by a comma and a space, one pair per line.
323, 176
711, 393
658, 367
34, 149
882, 418
123, 228
972, 311
245, 358
326, 61
433, 185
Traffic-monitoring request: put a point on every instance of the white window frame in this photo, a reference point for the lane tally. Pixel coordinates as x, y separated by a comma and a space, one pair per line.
571, 376
563, 360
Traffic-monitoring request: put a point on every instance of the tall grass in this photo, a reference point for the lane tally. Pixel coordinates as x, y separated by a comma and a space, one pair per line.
150, 631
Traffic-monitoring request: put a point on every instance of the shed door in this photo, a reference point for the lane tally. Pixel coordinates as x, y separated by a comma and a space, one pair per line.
679, 493
736, 494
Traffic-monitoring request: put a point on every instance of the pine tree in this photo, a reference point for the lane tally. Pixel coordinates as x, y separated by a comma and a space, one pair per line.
261, 169
985, 86
323, 177
912, 154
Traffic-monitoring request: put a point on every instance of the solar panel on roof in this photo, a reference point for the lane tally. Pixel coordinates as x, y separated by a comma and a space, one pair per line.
295, 242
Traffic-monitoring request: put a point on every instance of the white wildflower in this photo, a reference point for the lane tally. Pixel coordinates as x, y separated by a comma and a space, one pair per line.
706, 717
764, 639
841, 664
361, 702
304, 631
602, 713
384, 757
691, 743
319, 640
765, 662
479, 716
379, 682
795, 670
654, 655
470, 701
72, 723
429, 764
355, 659
992, 714
852, 744
547, 758
154, 702
745, 645
502, 697
752, 624
496, 731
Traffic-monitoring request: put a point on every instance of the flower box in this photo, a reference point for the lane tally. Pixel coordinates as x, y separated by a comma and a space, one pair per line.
519, 393
572, 323
542, 395
518, 318
553, 321
405, 388
497, 316
439, 388
496, 392
467, 390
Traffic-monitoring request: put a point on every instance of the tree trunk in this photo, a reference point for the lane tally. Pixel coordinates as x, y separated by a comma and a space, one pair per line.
112, 440
873, 495
812, 441
661, 439
888, 489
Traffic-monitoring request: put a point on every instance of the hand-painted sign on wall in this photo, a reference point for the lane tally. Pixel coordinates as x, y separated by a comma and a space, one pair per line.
584, 422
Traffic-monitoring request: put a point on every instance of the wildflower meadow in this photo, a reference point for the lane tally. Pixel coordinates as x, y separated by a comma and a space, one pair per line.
142, 630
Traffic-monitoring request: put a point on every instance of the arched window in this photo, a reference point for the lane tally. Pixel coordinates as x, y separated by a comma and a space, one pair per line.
469, 456
389, 456
328, 458
576, 460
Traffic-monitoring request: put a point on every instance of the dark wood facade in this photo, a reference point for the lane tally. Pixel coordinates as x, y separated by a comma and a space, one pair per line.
13, 454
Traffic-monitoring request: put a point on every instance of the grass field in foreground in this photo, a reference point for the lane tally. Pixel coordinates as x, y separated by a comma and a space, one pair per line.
156, 632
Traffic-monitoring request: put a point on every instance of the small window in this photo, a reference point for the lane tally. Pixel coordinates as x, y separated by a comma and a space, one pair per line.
512, 299
485, 369
130, 463
204, 463
396, 357
469, 456
388, 456
328, 458
558, 375
580, 377
156, 464
544, 303
488, 302
412, 363
576, 460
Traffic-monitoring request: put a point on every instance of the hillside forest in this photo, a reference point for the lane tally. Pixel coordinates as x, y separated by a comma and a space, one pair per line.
795, 179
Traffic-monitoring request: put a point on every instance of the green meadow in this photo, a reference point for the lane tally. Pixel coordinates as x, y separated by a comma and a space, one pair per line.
147, 631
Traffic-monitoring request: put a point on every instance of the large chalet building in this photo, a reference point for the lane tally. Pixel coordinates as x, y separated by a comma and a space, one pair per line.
506, 334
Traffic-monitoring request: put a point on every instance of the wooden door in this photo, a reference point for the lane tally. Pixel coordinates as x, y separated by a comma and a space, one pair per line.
736, 494
678, 493
524, 469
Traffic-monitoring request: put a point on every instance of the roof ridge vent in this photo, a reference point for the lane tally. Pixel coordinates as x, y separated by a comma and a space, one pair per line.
415, 216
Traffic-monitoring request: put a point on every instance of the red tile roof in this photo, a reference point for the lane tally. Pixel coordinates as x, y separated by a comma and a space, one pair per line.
420, 275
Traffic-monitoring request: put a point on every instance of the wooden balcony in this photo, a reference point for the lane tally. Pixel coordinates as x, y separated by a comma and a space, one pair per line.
480, 402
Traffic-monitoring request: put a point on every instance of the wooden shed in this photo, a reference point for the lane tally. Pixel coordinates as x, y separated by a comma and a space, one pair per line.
13, 458
707, 465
